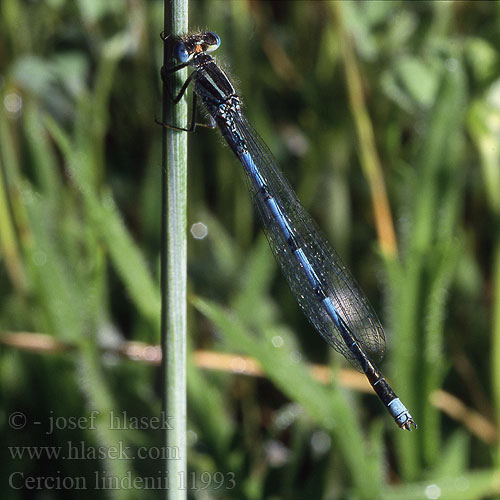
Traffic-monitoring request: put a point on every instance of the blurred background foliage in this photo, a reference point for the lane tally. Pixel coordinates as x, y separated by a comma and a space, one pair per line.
385, 117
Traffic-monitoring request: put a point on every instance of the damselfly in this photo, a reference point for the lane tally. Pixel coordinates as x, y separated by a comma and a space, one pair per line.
323, 286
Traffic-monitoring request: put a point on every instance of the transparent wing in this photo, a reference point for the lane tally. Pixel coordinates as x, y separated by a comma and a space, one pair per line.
348, 299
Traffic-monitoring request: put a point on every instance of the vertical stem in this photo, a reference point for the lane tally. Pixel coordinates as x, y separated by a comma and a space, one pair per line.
173, 263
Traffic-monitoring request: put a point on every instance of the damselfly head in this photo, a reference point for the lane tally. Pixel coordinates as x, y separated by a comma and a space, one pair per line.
186, 48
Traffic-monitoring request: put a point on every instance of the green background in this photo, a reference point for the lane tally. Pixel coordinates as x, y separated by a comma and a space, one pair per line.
366, 106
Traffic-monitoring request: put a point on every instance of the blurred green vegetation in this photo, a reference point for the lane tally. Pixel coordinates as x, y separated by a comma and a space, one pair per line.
385, 117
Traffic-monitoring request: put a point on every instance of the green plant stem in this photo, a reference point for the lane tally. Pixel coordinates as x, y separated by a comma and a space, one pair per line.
173, 263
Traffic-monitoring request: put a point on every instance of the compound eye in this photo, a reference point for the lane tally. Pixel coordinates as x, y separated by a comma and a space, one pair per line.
213, 41
180, 52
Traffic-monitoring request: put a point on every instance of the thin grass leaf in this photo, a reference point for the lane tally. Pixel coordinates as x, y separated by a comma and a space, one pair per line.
106, 220
410, 287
